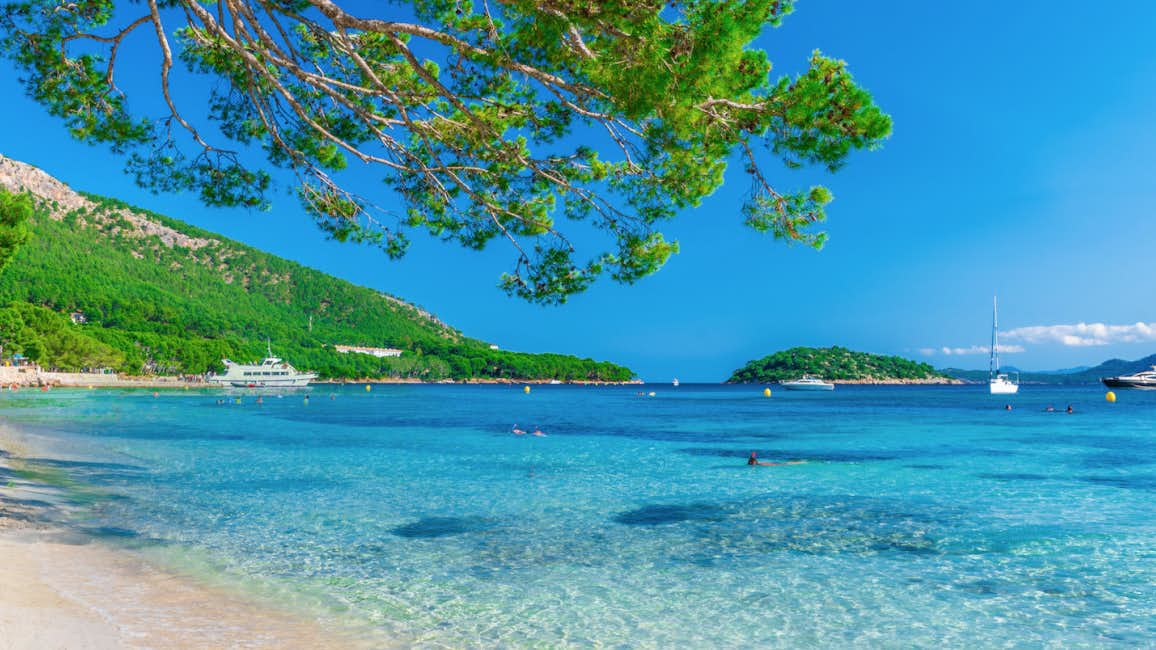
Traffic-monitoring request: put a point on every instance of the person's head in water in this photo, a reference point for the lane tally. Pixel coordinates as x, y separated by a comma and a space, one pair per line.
1069, 408
1007, 407
752, 460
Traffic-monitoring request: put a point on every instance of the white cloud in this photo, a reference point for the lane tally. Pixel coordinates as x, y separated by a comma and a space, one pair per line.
975, 349
1084, 334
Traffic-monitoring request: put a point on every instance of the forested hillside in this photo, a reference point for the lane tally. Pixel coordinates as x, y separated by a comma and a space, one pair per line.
837, 364
158, 295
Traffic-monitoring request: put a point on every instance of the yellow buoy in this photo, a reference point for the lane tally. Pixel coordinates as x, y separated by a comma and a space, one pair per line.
766, 392
1111, 397
526, 389
651, 393
368, 388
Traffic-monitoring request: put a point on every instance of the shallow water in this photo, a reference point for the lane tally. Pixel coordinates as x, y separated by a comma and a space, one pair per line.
922, 516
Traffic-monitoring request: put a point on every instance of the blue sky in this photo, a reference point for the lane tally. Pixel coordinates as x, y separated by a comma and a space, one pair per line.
1021, 164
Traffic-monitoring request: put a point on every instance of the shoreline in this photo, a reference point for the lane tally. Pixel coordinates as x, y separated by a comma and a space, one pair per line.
66, 589
28, 377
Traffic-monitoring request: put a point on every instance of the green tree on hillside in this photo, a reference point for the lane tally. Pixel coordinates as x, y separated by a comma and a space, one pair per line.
15, 211
507, 119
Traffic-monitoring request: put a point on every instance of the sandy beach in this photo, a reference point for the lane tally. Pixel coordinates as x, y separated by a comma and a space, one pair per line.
62, 589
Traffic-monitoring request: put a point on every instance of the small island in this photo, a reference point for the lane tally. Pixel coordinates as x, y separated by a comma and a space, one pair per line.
840, 365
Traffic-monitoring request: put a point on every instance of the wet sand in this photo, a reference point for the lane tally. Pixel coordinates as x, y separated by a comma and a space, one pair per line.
62, 589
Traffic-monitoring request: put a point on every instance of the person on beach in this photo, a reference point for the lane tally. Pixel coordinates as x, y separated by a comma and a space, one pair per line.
516, 431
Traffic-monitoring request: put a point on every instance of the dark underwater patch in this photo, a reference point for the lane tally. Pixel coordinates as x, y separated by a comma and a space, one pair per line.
1013, 476
82, 464
111, 532
84, 471
979, 587
434, 527
1144, 482
1112, 459
660, 515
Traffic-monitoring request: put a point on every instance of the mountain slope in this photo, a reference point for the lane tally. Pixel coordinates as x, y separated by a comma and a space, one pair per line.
169, 297
1110, 368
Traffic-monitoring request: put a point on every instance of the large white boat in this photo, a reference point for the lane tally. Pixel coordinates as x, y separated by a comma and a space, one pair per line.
1144, 380
999, 383
271, 372
807, 382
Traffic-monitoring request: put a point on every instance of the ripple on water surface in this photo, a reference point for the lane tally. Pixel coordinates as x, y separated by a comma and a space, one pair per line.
920, 517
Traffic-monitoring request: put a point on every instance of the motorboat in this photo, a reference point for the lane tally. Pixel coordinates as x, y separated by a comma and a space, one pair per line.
271, 372
1000, 383
807, 382
1144, 380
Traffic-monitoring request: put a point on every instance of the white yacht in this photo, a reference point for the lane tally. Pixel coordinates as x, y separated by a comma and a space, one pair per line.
998, 382
807, 382
1144, 380
272, 372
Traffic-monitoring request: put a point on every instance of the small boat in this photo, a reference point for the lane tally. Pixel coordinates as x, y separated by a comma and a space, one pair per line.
675, 382
807, 382
1144, 380
271, 372
998, 383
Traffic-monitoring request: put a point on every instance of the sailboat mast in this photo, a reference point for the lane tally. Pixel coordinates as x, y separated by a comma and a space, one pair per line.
993, 367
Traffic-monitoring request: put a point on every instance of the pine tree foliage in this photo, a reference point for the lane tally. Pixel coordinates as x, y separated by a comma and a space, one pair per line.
533, 123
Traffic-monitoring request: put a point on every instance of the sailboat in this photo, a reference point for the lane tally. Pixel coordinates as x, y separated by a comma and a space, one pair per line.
1000, 383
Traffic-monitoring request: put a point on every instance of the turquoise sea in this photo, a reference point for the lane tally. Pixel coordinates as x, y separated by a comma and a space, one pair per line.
923, 516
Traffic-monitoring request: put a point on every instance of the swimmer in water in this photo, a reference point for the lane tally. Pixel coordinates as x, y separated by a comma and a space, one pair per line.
1070, 409
538, 432
516, 431
1007, 407
753, 460
1050, 409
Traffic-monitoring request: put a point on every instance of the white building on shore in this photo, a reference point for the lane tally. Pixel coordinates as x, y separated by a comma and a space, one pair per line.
377, 352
